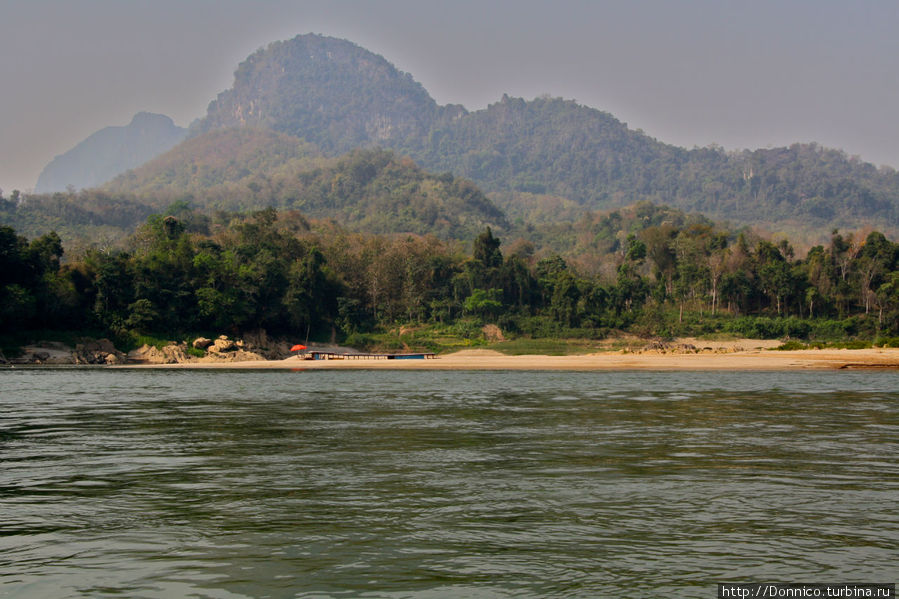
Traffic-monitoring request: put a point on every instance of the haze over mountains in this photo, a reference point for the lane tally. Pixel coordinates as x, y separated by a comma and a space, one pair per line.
376, 191
110, 151
539, 160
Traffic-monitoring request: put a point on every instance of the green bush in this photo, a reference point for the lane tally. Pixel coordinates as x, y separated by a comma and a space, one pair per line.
150, 340
833, 330
795, 327
195, 352
584, 333
538, 327
509, 323
852, 344
763, 327
791, 345
360, 341
467, 328
887, 342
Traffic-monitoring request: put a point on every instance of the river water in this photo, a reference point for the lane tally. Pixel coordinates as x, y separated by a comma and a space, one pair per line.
140, 483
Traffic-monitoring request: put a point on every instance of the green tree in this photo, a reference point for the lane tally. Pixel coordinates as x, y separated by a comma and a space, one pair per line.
484, 302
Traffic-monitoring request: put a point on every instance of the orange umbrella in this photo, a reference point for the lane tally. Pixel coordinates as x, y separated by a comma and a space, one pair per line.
298, 347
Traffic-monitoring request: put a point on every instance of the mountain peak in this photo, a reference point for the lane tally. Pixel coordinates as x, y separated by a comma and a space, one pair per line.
110, 151
144, 119
326, 90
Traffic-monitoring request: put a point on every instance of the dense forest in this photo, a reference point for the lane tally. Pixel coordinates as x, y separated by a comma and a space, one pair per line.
535, 152
654, 273
554, 147
373, 191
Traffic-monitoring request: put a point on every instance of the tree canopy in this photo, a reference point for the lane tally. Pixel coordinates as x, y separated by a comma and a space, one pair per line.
282, 272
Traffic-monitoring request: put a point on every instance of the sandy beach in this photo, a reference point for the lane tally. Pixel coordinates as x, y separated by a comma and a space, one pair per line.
483, 359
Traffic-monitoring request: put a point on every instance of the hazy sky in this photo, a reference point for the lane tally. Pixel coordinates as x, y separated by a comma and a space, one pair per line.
742, 74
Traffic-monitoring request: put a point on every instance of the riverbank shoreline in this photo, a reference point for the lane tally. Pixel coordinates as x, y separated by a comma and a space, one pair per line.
484, 359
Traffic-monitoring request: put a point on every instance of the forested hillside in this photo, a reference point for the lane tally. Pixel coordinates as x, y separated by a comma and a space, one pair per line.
374, 191
83, 218
213, 160
533, 153
552, 146
365, 190
542, 161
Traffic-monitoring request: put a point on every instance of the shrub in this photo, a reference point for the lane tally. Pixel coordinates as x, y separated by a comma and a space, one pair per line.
887, 342
791, 345
467, 328
195, 352
795, 327
755, 327
853, 344
539, 326
764, 327
833, 330
509, 323
360, 341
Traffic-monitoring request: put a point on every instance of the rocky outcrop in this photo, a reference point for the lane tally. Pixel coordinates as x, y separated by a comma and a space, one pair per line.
223, 345
201, 343
100, 351
173, 353
328, 91
493, 333
255, 346
658, 346
49, 353
32, 356
237, 355
273, 349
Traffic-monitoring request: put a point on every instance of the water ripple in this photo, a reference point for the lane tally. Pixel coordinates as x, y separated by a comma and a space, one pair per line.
379, 484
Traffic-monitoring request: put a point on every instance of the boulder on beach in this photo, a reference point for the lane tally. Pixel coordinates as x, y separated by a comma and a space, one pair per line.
201, 343
97, 351
43, 352
493, 333
223, 344
238, 355
173, 353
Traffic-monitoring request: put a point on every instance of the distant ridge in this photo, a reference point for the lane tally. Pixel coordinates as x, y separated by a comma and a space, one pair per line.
370, 190
340, 96
110, 151
541, 159
213, 159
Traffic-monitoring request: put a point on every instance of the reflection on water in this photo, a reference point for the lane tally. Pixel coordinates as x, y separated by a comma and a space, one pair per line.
435, 484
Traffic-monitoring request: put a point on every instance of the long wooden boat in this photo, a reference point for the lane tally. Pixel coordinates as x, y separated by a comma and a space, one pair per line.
326, 355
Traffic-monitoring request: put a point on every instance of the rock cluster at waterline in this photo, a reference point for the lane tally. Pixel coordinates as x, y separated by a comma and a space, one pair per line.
94, 351
253, 346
